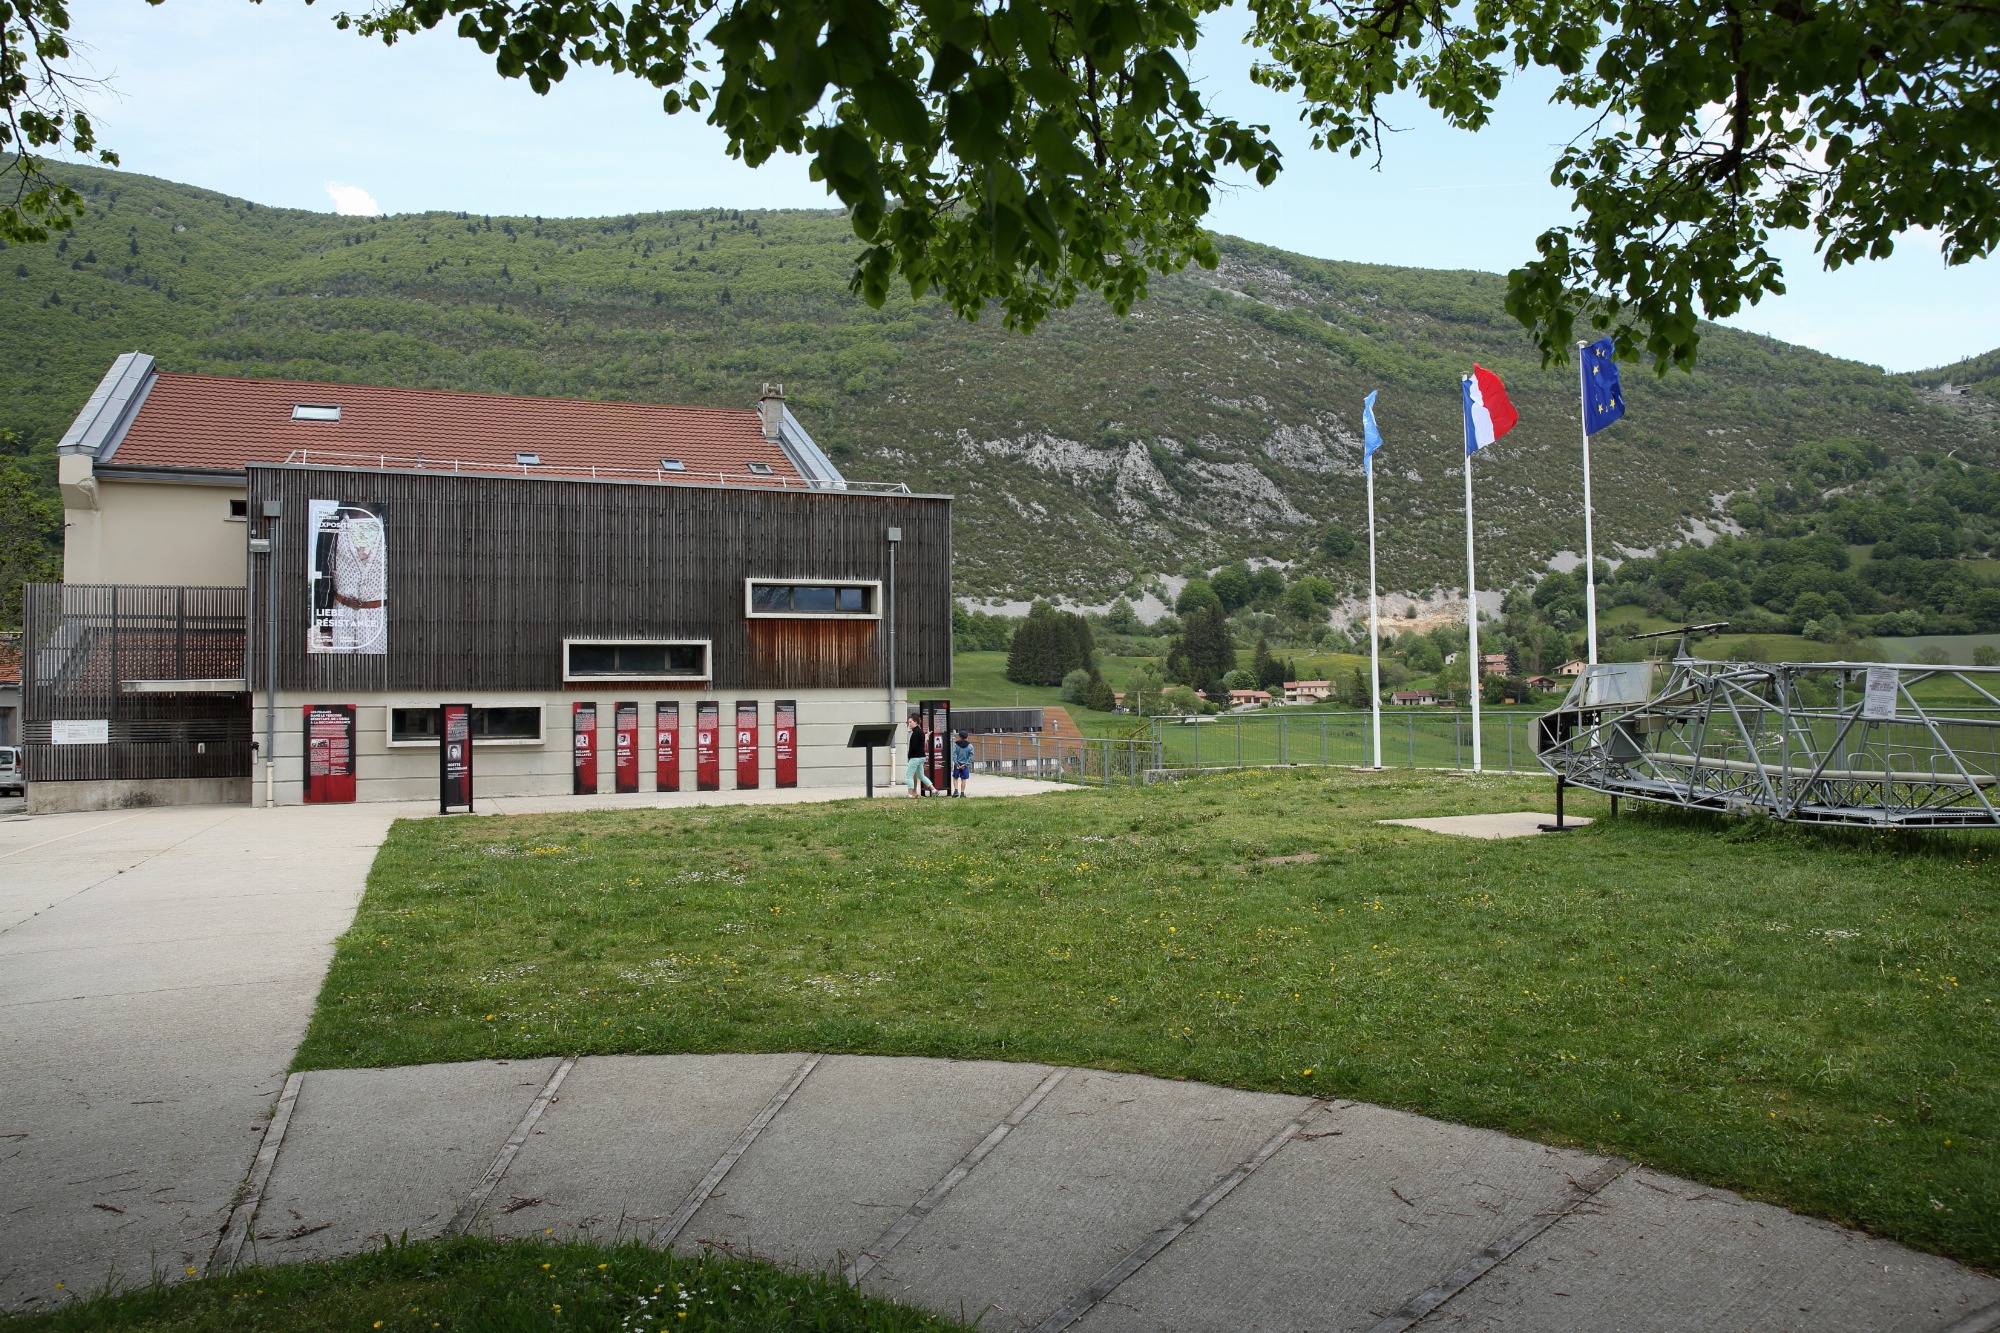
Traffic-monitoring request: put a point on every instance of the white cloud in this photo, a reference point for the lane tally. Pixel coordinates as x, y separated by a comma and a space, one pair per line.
351, 201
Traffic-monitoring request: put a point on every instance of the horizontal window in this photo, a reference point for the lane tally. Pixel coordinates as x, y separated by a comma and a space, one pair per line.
812, 597
502, 724
635, 659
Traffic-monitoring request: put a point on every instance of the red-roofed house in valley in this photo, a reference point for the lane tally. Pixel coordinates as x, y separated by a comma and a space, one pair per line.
566, 569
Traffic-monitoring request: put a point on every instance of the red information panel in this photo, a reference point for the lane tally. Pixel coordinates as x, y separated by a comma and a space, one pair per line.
707, 759
746, 744
625, 746
329, 753
454, 757
937, 721
667, 746
584, 722
785, 741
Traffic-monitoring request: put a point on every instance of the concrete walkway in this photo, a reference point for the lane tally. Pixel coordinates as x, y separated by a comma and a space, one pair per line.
157, 968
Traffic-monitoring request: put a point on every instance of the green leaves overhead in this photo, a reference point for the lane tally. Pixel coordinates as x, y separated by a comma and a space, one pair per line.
1718, 125
1012, 154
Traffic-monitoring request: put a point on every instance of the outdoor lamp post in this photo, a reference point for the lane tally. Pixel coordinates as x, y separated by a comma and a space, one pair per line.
894, 538
267, 546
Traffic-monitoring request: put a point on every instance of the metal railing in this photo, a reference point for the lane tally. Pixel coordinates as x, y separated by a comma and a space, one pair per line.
574, 471
1095, 761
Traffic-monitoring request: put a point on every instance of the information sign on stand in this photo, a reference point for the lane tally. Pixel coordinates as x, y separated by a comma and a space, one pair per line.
746, 745
454, 758
666, 746
583, 723
707, 754
625, 747
785, 741
937, 721
329, 775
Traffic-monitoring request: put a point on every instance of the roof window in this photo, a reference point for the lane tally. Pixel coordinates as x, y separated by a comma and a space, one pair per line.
672, 465
315, 411
760, 469
528, 460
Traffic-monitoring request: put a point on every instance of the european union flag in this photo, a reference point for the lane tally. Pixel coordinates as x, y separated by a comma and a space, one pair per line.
1371, 434
1603, 400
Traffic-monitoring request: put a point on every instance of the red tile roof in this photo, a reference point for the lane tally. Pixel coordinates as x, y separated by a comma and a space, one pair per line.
212, 423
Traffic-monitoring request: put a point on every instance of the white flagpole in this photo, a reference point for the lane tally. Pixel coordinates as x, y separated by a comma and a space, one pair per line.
1589, 549
1374, 634
1471, 582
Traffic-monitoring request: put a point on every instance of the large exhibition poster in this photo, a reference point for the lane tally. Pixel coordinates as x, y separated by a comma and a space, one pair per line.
667, 746
746, 744
329, 753
584, 729
347, 564
785, 741
707, 755
625, 747
937, 721
455, 758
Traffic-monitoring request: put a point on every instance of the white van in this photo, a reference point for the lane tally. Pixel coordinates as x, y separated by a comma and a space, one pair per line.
12, 783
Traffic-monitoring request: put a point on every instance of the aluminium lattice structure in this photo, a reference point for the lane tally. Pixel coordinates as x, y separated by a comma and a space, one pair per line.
1912, 746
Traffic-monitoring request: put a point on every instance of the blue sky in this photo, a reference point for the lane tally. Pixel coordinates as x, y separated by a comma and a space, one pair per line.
269, 102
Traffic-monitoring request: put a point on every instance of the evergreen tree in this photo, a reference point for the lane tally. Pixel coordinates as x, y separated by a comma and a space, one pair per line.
1204, 653
1357, 690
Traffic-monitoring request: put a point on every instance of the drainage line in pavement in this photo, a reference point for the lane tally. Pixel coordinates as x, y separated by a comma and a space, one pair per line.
699, 1194
1469, 1272
469, 1211
1083, 1302
229, 1249
919, 1210
1979, 1321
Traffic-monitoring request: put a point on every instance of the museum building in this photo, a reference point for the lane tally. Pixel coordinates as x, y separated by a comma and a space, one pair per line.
628, 597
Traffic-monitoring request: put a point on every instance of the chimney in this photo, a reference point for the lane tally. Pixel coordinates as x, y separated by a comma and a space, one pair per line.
771, 407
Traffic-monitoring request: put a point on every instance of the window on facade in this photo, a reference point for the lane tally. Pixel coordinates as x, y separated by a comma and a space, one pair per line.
656, 659
315, 411
773, 598
239, 509
503, 724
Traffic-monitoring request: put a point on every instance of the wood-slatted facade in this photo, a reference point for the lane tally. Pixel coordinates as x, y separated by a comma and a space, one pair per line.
488, 575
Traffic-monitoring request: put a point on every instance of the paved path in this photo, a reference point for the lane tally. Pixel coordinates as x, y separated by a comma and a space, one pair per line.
149, 1014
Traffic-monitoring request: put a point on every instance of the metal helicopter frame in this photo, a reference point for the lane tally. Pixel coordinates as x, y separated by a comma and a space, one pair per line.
1812, 742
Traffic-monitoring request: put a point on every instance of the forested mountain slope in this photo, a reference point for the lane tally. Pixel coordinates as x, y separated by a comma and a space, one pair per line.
1219, 421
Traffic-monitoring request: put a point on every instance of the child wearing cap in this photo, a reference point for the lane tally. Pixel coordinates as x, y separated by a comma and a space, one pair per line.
961, 763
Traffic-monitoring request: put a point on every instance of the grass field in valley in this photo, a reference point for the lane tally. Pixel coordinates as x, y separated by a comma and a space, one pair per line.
1808, 1017
481, 1286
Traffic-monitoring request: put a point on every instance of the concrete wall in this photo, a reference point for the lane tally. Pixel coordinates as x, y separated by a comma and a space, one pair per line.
386, 773
154, 533
55, 798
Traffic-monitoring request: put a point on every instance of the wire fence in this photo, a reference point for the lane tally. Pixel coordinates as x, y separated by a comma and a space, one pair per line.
1411, 738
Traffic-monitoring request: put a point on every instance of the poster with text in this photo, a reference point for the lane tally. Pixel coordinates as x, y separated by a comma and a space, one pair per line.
707, 751
667, 746
347, 567
584, 729
746, 745
937, 721
455, 757
785, 741
625, 747
329, 753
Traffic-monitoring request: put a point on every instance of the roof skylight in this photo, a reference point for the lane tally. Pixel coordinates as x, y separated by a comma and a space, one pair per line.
315, 411
672, 465
528, 460
760, 469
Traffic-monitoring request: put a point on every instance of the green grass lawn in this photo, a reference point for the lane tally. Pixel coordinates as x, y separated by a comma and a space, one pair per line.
1806, 1016
480, 1286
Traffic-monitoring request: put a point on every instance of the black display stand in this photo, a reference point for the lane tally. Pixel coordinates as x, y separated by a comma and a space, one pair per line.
865, 737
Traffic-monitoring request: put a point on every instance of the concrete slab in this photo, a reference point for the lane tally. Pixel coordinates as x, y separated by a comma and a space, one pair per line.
1104, 1162
857, 1144
157, 968
1658, 1253
1366, 1207
1513, 824
378, 1152
627, 1138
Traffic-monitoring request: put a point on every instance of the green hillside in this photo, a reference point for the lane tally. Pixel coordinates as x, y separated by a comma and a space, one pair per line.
1220, 420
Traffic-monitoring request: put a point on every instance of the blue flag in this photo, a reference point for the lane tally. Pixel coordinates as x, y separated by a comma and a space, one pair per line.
1371, 434
1603, 400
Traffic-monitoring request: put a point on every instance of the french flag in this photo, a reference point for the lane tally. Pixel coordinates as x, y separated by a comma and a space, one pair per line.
1488, 413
